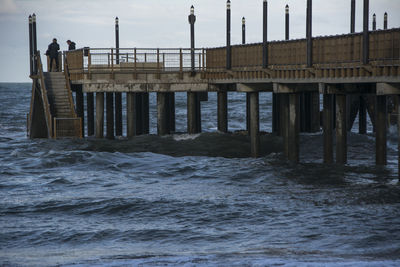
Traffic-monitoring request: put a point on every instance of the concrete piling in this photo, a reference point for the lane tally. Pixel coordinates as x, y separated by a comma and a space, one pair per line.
193, 113
254, 124
118, 114
171, 112
381, 130
80, 107
293, 128
130, 115
110, 115
90, 113
222, 111
341, 129
285, 122
362, 116
328, 127
99, 115
162, 113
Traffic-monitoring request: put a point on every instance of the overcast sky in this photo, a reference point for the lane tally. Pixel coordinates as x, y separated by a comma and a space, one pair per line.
164, 23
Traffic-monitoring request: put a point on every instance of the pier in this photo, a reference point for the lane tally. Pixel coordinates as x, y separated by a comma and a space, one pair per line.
354, 74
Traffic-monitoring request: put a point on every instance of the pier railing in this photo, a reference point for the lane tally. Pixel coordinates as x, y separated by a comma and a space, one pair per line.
134, 60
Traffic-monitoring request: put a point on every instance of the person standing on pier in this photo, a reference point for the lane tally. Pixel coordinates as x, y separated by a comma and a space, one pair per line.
71, 45
52, 52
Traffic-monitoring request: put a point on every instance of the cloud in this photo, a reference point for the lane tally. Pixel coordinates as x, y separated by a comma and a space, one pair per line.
8, 7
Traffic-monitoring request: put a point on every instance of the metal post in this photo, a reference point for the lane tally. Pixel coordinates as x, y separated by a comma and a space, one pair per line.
192, 20
130, 114
374, 22
228, 36
243, 30
117, 40
30, 46
353, 17
287, 22
110, 115
366, 33
362, 116
162, 114
34, 36
385, 21
309, 34
265, 34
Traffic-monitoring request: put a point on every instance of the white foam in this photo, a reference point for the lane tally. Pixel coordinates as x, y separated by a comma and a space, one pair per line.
183, 137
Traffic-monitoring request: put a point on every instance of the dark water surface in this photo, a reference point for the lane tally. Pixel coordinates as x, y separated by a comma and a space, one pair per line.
191, 200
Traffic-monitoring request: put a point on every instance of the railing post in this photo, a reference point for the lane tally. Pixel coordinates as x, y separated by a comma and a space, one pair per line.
158, 59
180, 63
203, 55
112, 62
135, 58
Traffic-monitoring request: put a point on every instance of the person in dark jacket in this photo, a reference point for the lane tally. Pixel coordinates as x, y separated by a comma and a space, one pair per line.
52, 52
71, 45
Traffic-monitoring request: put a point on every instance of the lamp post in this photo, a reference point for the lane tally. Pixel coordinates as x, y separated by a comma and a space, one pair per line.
118, 96
385, 21
228, 36
309, 33
30, 46
265, 34
243, 30
34, 43
366, 33
353, 17
192, 20
117, 40
287, 22
374, 22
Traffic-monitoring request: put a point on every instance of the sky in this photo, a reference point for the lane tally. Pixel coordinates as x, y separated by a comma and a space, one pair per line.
164, 24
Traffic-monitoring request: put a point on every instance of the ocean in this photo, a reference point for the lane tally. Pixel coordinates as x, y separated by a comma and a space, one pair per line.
192, 200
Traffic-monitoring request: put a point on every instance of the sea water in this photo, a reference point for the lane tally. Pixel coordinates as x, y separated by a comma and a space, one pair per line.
191, 200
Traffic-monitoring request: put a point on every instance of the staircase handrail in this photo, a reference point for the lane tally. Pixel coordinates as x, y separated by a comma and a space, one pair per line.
46, 103
68, 83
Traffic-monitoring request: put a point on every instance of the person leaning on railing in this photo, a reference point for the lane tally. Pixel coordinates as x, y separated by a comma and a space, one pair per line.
71, 45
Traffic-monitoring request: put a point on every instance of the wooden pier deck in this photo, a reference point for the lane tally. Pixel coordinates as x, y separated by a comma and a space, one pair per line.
354, 73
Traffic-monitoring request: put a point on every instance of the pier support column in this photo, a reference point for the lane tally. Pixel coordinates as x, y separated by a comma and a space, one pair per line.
276, 122
146, 113
341, 129
294, 127
130, 115
248, 113
80, 107
110, 115
99, 115
162, 113
328, 128
139, 116
362, 116
118, 114
171, 112
193, 113
398, 132
223, 112
381, 129
285, 123
90, 113
254, 124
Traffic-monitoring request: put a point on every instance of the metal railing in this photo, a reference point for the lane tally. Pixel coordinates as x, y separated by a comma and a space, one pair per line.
67, 127
144, 59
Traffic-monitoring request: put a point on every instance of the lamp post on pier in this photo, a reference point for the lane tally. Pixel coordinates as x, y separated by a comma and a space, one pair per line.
265, 34
228, 36
34, 36
118, 96
385, 21
192, 20
374, 22
30, 46
243, 30
287, 22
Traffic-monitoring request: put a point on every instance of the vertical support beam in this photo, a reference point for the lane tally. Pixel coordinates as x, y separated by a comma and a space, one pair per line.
254, 124
223, 111
30, 45
130, 114
248, 113
171, 112
309, 34
162, 113
265, 34
293, 128
398, 142
385, 21
353, 17
287, 29
315, 112
193, 109
99, 115
328, 128
146, 113
366, 33
285, 122
243, 30
34, 39
110, 115
341, 129
118, 114
80, 107
381, 130
362, 116
139, 113
374, 22
90, 113
228, 36
192, 20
